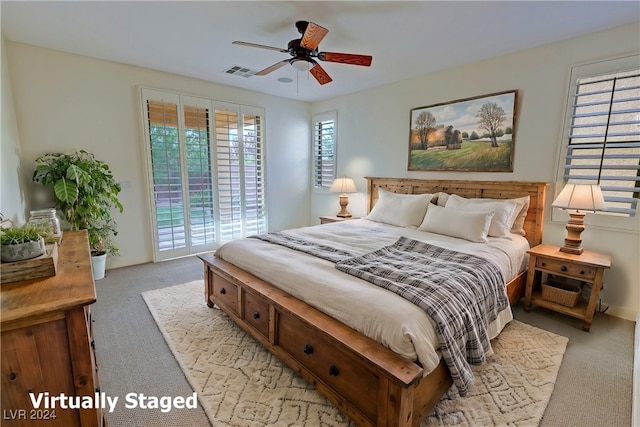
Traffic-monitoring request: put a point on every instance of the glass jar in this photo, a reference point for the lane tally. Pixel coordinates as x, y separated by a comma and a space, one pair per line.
46, 216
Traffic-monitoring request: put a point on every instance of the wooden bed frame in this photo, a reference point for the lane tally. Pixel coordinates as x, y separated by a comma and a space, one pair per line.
370, 383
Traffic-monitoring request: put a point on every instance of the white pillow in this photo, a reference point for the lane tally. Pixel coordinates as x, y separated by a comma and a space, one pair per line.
403, 210
503, 213
520, 212
467, 225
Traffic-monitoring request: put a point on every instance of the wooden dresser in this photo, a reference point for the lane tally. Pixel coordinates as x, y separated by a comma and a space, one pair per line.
47, 341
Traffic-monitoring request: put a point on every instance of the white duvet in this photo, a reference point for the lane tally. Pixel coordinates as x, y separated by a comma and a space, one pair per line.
375, 312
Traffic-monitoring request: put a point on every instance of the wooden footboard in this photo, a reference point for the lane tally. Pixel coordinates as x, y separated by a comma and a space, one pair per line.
370, 383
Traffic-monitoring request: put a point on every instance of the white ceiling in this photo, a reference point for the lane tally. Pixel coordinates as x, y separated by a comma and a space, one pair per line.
406, 39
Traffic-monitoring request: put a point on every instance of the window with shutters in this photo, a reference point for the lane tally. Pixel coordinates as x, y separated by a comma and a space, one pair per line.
603, 131
324, 149
205, 163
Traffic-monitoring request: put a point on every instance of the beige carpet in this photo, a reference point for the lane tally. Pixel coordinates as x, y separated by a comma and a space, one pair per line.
239, 383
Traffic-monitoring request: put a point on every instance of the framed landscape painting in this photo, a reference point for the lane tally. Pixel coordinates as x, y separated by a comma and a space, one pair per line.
473, 134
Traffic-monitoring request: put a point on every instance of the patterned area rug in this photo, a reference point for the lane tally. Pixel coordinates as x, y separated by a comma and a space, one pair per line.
239, 383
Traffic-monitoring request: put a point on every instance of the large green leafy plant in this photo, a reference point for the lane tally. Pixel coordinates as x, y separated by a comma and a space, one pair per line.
85, 194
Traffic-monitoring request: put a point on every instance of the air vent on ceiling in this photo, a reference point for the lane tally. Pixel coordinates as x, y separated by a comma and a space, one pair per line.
237, 70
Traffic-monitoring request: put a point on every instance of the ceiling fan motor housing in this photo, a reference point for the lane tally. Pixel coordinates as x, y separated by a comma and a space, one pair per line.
298, 51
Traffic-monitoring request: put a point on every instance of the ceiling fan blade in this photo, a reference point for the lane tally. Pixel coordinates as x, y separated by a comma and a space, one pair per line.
320, 74
312, 36
261, 46
345, 58
272, 68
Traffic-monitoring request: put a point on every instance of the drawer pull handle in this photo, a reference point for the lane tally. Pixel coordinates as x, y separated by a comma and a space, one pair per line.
12, 376
333, 371
256, 315
544, 264
223, 291
581, 271
563, 268
307, 349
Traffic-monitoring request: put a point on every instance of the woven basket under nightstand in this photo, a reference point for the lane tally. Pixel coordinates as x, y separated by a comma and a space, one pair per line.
562, 293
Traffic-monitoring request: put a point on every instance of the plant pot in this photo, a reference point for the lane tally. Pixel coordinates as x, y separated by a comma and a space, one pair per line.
98, 262
22, 251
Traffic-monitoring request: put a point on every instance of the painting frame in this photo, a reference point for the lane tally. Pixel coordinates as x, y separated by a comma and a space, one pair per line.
445, 137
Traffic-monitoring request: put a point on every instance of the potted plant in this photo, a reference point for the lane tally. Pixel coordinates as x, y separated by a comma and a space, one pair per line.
85, 193
21, 243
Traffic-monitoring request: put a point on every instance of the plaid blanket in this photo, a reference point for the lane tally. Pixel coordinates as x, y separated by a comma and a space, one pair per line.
461, 293
312, 248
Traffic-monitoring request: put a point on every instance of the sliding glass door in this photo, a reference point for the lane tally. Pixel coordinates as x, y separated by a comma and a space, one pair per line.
205, 160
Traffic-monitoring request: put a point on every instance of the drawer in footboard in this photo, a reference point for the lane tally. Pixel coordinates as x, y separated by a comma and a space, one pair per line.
225, 293
331, 362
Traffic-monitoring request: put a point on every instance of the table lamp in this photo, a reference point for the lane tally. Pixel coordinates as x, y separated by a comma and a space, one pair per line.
343, 186
576, 199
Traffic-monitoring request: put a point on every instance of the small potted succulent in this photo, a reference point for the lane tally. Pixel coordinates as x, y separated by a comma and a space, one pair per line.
21, 243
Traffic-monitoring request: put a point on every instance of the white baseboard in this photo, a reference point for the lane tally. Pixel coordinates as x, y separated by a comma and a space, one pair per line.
635, 404
623, 312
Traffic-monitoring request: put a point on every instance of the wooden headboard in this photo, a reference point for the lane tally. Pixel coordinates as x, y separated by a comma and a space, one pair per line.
472, 189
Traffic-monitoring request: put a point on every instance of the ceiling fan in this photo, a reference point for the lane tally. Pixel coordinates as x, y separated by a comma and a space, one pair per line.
304, 49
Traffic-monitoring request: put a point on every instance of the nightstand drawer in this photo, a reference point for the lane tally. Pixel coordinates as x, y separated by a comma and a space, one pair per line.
564, 268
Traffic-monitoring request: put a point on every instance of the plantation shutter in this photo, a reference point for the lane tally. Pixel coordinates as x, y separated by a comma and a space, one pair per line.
166, 171
324, 150
199, 170
206, 172
240, 175
254, 208
604, 138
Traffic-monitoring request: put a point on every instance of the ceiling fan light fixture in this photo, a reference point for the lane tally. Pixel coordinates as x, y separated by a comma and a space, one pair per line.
300, 64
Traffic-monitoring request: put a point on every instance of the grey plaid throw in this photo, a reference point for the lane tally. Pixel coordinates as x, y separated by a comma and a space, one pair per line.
312, 248
461, 293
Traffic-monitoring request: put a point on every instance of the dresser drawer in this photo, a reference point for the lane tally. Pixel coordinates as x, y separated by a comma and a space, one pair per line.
256, 313
574, 270
225, 293
331, 362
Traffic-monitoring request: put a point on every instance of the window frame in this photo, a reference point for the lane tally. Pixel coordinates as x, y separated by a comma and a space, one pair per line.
586, 70
322, 117
212, 106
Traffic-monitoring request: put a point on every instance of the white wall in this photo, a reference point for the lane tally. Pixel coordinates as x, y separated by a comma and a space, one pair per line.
13, 204
373, 132
65, 102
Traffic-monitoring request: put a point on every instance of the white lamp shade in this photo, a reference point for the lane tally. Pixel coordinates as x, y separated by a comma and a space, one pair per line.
580, 197
343, 185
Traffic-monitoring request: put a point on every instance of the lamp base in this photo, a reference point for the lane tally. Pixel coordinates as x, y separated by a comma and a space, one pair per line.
344, 201
573, 241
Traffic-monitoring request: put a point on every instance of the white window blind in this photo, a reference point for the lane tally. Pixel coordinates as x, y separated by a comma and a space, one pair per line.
240, 176
604, 138
324, 149
206, 172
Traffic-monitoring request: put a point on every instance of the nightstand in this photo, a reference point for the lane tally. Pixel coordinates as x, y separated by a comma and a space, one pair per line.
588, 268
330, 219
